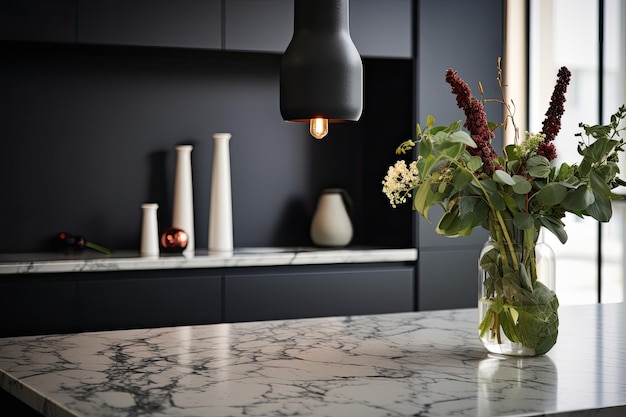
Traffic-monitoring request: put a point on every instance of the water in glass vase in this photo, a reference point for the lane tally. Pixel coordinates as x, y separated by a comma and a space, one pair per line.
517, 305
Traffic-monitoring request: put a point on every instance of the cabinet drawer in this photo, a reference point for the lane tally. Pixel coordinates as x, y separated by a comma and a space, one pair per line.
382, 28
37, 305
314, 292
258, 25
38, 20
141, 299
181, 23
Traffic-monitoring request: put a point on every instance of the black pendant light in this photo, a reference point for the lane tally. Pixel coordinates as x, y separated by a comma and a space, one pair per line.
321, 73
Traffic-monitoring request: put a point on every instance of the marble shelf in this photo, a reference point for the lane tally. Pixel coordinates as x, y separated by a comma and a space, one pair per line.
87, 261
427, 364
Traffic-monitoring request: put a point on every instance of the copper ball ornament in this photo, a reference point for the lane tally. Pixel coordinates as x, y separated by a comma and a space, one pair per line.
174, 240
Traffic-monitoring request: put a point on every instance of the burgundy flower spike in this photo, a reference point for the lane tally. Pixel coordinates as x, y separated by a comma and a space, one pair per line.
476, 122
552, 122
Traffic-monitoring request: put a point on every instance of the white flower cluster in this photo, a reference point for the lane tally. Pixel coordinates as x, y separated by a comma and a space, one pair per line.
529, 145
399, 182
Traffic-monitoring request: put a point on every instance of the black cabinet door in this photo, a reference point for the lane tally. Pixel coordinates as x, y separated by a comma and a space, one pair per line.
37, 304
180, 23
379, 28
315, 291
258, 25
139, 299
382, 28
38, 20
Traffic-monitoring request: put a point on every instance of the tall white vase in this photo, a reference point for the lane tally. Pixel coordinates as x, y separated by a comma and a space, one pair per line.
182, 214
221, 208
149, 230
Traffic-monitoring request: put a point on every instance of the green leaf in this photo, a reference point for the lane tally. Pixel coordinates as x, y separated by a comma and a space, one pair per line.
490, 262
601, 209
598, 185
449, 224
578, 199
461, 177
462, 137
422, 198
430, 121
551, 195
503, 177
555, 226
474, 163
538, 166
523, 220
510, 153
451, 149
511, 203
425, 147
521, 185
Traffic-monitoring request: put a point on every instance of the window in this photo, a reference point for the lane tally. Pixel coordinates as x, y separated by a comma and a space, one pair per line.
587, 36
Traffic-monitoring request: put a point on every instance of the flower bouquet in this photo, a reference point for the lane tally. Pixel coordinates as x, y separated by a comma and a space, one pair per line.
513, 196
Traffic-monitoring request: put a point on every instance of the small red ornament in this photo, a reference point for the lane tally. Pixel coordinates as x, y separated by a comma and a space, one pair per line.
174, 239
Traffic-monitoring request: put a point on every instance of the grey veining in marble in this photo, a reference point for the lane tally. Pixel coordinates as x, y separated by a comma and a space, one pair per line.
410, 364
128, 261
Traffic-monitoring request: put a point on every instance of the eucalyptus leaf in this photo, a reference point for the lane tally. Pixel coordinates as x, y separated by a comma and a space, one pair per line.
521, 185
462, 137
538, 166
460, 178
551, 194
425, 147
523, 220
474, 163
601, 209
451, 150
578, 199
503, 177
554, 226
422, 198
598, 184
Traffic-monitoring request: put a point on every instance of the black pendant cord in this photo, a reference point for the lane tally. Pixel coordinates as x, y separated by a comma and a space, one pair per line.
600, 117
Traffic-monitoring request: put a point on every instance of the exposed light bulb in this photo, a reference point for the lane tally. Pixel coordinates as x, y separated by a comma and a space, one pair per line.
318, 127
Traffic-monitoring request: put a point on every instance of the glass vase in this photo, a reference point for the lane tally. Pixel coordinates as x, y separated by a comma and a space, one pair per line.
517, 303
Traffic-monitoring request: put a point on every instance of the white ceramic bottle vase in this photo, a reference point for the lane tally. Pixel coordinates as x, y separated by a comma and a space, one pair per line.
149, 230
221, 206
182, 213
331, 225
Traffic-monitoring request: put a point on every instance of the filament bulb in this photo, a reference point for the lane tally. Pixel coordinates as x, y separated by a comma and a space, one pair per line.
319, 127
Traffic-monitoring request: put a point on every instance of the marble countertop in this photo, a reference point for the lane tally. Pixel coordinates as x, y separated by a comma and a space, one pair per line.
411, 364
87, 260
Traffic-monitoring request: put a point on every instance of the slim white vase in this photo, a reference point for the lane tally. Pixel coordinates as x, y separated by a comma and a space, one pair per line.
221, 208
182, 214
149, 230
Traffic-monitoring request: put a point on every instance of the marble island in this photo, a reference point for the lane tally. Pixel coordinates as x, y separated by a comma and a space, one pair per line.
90, 261
408, 364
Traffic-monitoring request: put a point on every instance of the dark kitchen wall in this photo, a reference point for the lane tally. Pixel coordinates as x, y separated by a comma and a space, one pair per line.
88, 134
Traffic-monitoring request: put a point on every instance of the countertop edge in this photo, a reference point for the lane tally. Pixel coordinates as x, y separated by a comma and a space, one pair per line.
34, 263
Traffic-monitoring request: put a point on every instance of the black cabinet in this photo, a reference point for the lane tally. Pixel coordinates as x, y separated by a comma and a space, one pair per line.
112, 300
83, 301
315, 291
181, 23
122, 300
38, 20
258, 25
379, 28
382, 29
38, 304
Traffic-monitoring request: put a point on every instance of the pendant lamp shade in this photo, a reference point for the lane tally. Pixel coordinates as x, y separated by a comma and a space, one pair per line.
321, 73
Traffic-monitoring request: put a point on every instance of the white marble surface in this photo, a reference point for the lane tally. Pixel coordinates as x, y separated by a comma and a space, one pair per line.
411, 364
87, 260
